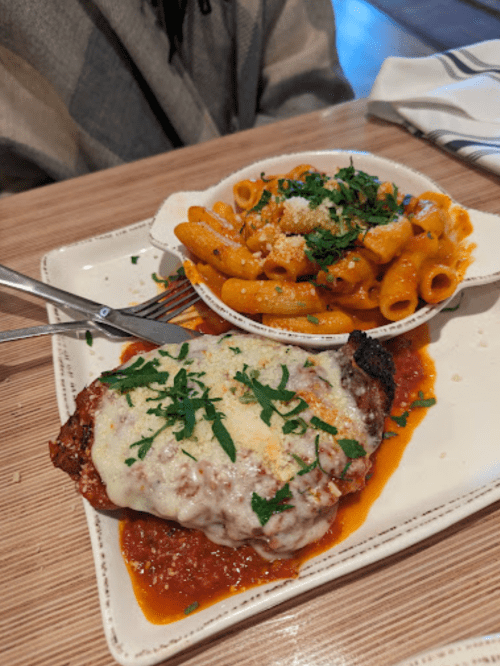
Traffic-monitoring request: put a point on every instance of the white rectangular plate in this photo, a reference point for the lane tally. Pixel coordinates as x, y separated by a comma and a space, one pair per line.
450, 469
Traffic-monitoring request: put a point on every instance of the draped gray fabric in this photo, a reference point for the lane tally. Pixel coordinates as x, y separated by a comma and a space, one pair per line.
89, 84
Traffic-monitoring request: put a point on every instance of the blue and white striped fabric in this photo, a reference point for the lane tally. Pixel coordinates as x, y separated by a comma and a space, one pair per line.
451, 98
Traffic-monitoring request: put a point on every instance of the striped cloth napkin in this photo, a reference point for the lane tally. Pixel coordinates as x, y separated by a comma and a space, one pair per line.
450, 98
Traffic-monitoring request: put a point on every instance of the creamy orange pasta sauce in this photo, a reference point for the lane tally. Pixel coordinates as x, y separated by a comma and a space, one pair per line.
320, 254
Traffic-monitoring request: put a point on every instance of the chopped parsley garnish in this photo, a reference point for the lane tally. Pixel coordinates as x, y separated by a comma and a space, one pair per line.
182, 353
178, 402
247, 398
304, 467
265, 394
145, 443
356, 193
316, 463
312, 319
295, 426
455, 307
140, 373
185, 401
265, 508
325, 248
166, 282
354, 204
192, 607
352, 448
344, 471
264, 200
221, 433
323, 425
186, 453
423, 402
134, 259
401, 420
88, 338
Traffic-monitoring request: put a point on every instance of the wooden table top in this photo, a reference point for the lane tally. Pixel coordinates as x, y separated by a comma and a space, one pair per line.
444, 589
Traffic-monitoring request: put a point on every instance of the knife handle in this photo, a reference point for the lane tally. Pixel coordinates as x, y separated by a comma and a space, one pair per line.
11, 278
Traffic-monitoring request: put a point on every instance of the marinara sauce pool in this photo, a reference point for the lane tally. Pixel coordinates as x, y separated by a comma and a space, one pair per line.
176, 571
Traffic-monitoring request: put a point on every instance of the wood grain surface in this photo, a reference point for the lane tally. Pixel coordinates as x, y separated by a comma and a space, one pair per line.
444, 589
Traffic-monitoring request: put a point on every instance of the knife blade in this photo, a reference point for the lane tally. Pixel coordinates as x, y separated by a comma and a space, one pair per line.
63, 327
94, 326
159, 332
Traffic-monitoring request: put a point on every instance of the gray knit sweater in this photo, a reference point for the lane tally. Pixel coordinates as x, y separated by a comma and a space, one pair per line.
88, 84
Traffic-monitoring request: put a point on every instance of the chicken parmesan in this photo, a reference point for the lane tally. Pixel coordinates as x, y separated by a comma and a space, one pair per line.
246, 439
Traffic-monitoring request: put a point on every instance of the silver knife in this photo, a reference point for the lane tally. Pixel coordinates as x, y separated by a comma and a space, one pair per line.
157, 332
64, 327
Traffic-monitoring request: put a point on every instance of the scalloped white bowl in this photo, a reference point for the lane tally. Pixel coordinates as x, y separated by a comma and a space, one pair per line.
174, 211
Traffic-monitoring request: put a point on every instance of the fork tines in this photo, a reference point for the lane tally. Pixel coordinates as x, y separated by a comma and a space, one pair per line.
165, 313
178, 296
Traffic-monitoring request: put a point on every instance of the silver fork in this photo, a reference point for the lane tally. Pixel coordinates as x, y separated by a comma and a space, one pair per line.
162, 308
179, 295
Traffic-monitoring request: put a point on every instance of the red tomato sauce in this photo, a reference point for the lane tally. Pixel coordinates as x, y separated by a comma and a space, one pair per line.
176, 571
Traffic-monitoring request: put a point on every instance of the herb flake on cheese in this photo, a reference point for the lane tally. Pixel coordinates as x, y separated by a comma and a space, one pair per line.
265, 508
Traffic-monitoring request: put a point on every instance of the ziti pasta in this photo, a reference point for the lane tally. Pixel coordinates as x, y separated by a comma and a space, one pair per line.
316, 253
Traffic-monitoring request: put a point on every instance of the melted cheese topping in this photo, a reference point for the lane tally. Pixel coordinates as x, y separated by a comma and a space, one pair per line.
194, 481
